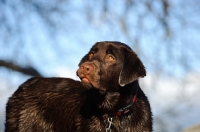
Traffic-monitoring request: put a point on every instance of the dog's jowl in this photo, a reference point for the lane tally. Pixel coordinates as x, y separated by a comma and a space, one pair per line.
108, 97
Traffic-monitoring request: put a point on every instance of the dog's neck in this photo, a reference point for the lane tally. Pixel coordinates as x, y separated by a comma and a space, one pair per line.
113, 101
110, 102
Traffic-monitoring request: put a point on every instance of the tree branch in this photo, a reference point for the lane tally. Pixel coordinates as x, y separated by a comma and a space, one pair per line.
24, 70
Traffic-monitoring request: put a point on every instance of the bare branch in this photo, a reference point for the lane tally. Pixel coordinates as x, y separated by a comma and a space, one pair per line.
24, 70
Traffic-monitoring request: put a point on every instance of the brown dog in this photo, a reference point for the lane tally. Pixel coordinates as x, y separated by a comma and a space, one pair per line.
109, 98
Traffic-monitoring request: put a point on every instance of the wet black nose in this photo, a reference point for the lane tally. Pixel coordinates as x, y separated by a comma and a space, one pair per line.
87, 68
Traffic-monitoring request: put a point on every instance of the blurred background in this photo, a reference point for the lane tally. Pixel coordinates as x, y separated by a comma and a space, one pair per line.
49, 38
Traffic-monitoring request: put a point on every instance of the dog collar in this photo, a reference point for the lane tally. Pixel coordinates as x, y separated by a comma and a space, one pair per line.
129, 108
121, 112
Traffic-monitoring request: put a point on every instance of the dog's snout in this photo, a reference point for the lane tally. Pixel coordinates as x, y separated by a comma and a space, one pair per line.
87, 68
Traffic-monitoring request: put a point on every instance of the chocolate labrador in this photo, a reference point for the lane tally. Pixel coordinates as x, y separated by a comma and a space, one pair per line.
108, 98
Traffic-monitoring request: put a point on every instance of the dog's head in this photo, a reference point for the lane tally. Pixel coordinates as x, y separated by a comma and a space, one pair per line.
109, 65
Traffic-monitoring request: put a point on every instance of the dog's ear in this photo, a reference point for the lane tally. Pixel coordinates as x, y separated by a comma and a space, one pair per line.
132, 68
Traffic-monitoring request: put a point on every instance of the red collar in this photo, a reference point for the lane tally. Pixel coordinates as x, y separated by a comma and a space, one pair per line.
129, 108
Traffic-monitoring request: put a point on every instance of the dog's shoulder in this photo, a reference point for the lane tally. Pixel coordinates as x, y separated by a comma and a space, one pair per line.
50, 84
48, 88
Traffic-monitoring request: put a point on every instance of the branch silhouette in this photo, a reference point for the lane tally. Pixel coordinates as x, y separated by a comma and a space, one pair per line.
24, 70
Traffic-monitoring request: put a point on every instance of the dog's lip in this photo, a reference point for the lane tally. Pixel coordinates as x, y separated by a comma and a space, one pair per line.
85, 80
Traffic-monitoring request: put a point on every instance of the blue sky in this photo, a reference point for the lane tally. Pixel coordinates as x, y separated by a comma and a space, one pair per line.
74, 35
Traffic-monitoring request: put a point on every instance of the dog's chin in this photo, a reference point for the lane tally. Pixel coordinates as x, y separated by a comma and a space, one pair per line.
87, 85
92, 85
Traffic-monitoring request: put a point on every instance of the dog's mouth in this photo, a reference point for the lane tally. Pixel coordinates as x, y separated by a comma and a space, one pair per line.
88, 73
89, 83
85, 80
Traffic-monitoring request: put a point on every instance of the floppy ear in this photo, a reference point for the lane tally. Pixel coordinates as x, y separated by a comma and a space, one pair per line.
132, 68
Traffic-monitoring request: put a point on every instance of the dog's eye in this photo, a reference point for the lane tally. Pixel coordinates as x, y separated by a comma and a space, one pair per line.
91, 55
110, 58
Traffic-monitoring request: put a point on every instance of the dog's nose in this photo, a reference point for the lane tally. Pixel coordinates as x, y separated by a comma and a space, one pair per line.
87, 68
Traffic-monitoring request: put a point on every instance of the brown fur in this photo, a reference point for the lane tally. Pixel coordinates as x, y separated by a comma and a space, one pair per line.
109, 78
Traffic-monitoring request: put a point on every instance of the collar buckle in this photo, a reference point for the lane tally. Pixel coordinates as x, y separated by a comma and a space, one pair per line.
108, 129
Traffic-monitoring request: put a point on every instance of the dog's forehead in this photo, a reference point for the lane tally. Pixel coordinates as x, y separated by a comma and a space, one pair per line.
108, 46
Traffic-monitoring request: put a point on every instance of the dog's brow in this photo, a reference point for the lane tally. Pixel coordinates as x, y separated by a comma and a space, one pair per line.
94, 50
111, 50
